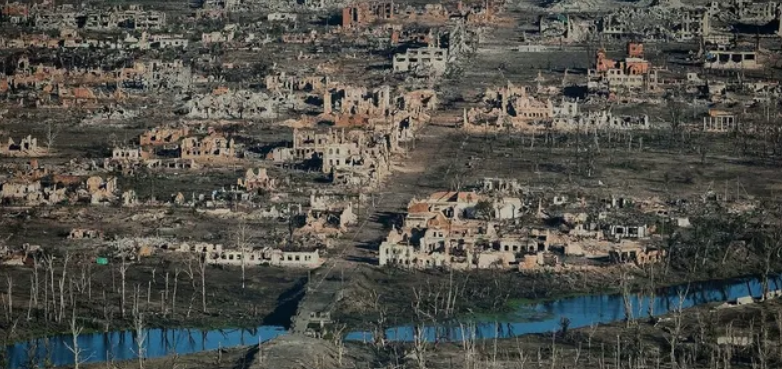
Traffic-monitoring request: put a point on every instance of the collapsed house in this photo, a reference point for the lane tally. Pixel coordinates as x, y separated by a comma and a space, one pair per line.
352, 158
27, 147
27, 192
636, 254
720, 121
101, 191
515, 108
163, 136
368, 12
565, 28
283, 82
156, 75
508, 106
434, 59
732, 59
267, 256
422, 61
253, 181
226, 104
213, 147
361, 14
443, 231
468, 230
633, 73
84, 233
132, 17
127, 160
658, 22
399, 115
218, 254
327, 223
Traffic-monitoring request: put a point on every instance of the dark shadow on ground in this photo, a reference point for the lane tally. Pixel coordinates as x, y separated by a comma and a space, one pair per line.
287, 305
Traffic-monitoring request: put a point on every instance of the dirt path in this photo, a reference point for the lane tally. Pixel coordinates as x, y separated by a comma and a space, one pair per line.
412, 177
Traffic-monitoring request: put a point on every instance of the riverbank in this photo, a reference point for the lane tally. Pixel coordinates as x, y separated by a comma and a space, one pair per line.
167, 291
387, 294
705, 336
284, 352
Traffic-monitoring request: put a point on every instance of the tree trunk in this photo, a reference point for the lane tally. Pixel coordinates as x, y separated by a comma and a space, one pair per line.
122, 271
203, 284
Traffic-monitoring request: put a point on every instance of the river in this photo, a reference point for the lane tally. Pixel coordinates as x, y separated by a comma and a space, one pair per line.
542, 317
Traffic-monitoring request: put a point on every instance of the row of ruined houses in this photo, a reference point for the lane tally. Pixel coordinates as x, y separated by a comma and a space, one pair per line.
71, 39
397, 113
147, 75
661, 21
49, 16
192, 151
32, 192
469, 230
354, 157
361, 14
515, 108
217, 254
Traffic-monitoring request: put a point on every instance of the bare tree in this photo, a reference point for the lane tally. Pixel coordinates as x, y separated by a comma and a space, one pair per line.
30, 303
676, 331
173, 293
10, 281
74, 348
420, 345
141, 336
338, 342
61, 315
469, 347
49, 311
242, 242
52, 132
35, 283
202, 272
769, 247
379, 335
123, 269
628, 306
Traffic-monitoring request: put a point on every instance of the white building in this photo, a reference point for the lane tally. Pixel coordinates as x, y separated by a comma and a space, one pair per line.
424, 59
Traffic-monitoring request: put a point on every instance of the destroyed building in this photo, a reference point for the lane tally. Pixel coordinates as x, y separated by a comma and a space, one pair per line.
162, 136
284, 82
565, 28
468, 230
227, 104
719, 121
156, 75
399, 115
26, 147
657, 22
132, 17
213, 147
253, 181
423, 60
354, 157
637, 255
101, 190
733, 59
516, 108
84, 233
266, 256
368, 12
633, 73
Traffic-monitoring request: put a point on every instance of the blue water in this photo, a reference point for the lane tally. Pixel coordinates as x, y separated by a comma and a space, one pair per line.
545, 317
116, 346
581, 311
